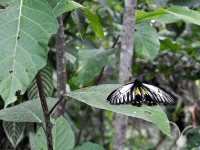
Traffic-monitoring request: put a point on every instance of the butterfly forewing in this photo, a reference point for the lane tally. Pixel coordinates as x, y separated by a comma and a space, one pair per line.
122, 95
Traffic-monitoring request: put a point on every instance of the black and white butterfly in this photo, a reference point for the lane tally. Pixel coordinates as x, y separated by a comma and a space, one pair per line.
137, 93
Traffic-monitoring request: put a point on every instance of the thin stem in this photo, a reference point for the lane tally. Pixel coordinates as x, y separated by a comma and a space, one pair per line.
55, 105
81, 128
115, 41
45, 112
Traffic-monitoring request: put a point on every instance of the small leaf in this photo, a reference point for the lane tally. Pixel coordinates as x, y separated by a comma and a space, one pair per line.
168, 44
29, 111
63, 136
93, 18
90, 63
89, 146
32, 140
14, 131
96, 96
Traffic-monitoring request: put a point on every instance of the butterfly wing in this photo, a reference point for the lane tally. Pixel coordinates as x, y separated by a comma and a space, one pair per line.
158, 95
122, 95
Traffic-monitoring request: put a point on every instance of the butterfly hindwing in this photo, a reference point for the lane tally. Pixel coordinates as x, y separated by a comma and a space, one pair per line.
157, 95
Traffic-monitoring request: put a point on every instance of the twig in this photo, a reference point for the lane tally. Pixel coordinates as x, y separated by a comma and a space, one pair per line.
45, 112
81, 128
56, 105
115, 41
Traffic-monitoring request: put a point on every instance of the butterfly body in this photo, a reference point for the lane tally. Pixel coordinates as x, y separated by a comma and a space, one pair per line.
137, 93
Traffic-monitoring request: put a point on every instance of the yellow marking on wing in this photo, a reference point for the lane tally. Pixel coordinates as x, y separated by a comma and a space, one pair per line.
151, 101
137, 91
137, 102
144, 91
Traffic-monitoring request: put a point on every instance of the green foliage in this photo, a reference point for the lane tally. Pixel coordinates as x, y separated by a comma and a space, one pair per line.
64, 6
90, 63
30, 111
194, 138
25, 28
32, 140
47, 81
63, 136
146, 42
89, 146
28, 26
168, 44
14, 131
177, 11
96, 96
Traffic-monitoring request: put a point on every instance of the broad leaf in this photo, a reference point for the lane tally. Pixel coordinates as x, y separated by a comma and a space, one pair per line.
90, 63
96, 96
25, 28
146, 42
29, 111
14, 131
62, 6
89, 146
47, 81
63, 136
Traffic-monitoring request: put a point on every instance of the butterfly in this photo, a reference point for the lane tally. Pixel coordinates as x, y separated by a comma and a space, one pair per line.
137, 93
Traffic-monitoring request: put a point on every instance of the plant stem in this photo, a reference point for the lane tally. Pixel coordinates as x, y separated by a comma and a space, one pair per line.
45, 112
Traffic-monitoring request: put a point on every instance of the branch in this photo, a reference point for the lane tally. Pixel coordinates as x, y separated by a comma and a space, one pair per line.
45, 112
61, 67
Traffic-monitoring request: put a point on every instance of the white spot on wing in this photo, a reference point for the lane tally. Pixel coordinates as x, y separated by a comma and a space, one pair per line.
126, 88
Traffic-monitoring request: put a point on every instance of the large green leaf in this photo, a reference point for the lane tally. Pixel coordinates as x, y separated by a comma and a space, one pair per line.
14, 131
62, 6
146, 42
96, 96
89, 146
63, 136
90, 63
47, 81
25, 28
29, 111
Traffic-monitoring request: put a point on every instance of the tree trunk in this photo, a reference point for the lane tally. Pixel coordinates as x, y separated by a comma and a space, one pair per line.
61, 67
126, 55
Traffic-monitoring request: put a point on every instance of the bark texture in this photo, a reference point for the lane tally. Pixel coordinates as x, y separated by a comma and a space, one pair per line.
126, 55
61, 67
45, 112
